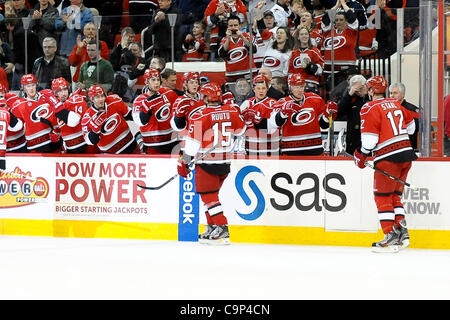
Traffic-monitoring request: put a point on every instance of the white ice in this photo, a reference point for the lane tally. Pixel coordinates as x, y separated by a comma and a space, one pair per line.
75, 268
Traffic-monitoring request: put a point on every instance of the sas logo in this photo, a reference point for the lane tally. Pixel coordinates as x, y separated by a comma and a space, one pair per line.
260, 201
18, 188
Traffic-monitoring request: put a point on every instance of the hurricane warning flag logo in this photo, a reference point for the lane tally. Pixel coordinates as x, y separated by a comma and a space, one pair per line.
18, 188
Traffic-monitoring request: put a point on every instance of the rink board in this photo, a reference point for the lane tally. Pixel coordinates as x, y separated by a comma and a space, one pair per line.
314, 201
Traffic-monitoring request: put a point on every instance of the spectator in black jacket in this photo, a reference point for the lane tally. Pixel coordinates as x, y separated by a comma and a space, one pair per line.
50, 66
349, 106
43, 17
161, 29
118, 55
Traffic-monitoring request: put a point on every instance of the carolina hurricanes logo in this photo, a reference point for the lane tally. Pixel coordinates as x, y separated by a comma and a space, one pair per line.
42, 111
339, 42
111, 124
271, 62
163, 113
299, 60
236, 55
304, 117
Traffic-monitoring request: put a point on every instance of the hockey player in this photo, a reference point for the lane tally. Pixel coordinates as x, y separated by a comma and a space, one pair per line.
36, 110
385, 126
213, 126
16, 141
106, 123
256, 112
300, 117
68, 117
8, 122
152, 111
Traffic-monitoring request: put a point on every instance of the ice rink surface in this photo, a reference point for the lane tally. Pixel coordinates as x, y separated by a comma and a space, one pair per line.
48, 268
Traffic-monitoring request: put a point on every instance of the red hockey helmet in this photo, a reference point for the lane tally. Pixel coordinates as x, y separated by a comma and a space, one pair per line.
212, 91
191, 76
28, 78
152, 73
59, 84
378, 84
96, 90
295, 79
261, 78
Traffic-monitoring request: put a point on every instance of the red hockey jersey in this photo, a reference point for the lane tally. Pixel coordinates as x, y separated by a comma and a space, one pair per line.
385, 126
30, 111
259, 141
16, 139
195, 50
301, 131
115, 136
297, 65
214, 126
158, 131
344, 48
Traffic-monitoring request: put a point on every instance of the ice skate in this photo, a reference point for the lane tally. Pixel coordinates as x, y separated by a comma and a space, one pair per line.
203, 238
219, 236
390, 243
403, 235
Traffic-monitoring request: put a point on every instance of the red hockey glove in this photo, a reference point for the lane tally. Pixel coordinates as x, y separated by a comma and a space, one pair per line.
251, 117
97, 121
182, 167
360, 158
289, 107
331, 109
53, 137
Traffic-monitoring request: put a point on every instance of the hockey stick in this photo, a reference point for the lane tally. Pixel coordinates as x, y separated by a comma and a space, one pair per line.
193, 161
341, 149
331, 136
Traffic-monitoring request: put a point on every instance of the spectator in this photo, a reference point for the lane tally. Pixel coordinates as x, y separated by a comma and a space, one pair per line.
120, 55
20, 9
161, 30
71, 22
280, 85
358, 9
271, 92
349, 106
158, 63
385, 37
306, 60
194, 45
50, 66
397, 91
6, 54
216, 18
315, 32
241, 90
169, 80
97, 70
43, 20
297, 9
234, 48
79, 53
140, 12
278, 53
16, 41
282, 12
265, 27
345, 41
136, 77
193, 11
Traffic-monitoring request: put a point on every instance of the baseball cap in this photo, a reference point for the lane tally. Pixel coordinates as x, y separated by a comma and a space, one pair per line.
268, 13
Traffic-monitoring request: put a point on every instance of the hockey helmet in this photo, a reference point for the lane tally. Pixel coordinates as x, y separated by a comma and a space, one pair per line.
152, 73
28, 79
212, 91
260, 78
191, 76
295, 79
96, 90
59, 84
378, 84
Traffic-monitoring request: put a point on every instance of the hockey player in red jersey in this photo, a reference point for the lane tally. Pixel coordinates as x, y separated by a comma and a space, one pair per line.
213, 126
385, 126
300, 117
106, 123
152, 111
8, 122
16, 141
256, 112
68, 117
36, 110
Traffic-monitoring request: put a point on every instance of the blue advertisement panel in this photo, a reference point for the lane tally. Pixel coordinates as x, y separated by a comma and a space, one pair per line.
188, 209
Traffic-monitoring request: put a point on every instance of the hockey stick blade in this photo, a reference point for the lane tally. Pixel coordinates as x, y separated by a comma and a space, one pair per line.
193, 161
340, 146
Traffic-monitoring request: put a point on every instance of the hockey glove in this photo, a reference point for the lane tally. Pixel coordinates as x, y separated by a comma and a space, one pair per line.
183, 169
331, 110
360, 158
96, 123
53, 137
288, 108
251, 117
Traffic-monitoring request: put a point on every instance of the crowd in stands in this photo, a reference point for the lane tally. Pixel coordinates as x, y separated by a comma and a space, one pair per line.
73, 58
